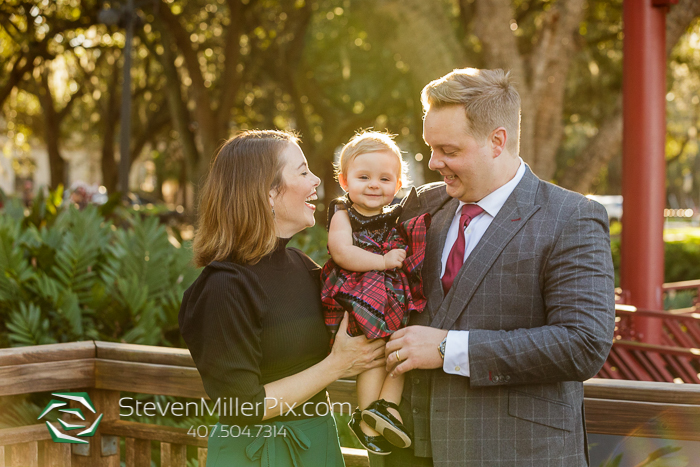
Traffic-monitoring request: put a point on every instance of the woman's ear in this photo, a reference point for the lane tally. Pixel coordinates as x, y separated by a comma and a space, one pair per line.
271, 198
342, 182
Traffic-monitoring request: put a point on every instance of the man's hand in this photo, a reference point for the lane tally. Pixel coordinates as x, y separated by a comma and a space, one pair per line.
417, 347
394, 259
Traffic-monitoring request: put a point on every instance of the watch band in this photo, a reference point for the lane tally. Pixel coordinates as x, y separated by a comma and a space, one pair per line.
441, 348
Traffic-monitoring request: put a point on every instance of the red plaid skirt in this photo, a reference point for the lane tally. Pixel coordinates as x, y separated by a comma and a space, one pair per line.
378, 302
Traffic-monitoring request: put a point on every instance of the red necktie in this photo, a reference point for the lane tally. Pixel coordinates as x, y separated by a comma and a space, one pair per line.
456, 257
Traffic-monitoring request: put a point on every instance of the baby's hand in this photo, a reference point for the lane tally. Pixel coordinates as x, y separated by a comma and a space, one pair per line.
394, 259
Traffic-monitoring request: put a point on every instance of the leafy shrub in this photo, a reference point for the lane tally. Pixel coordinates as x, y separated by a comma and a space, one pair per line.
312, 241
70, 275
681, 259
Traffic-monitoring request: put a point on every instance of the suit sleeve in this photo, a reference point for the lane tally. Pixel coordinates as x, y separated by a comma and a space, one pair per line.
578, 295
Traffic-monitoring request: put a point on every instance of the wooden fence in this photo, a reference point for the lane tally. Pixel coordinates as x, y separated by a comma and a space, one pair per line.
104, 370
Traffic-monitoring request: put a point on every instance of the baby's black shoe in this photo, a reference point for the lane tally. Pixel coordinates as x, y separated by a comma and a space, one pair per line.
373, 444
381, 420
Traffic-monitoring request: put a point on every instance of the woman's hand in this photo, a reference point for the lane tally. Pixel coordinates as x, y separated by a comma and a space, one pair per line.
353, 355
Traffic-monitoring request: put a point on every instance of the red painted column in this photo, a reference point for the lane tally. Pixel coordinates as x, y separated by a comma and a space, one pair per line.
644, 165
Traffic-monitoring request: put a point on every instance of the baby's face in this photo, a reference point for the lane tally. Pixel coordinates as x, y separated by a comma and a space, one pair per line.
372, 180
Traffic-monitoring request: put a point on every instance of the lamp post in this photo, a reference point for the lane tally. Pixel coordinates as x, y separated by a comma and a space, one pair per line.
125, 17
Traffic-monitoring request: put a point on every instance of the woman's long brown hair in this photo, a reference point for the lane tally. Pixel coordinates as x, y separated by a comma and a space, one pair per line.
235, 218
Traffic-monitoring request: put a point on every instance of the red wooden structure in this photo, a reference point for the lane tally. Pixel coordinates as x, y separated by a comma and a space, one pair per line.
650, 344
644, 162
676, 358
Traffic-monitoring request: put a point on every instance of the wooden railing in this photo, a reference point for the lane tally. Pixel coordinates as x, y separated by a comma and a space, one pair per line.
676, 359
104, 370
670, 287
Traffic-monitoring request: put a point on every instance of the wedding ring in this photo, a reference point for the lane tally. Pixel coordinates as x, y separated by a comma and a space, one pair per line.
398, 358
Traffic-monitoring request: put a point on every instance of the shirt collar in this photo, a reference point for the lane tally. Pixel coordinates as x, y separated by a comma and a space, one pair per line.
494, 201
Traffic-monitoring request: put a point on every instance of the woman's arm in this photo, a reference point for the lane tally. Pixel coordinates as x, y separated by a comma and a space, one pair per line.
349, 356
353, 258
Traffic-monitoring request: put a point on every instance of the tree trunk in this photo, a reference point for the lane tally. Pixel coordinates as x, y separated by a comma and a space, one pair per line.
211, 115
540, 76
52, 134
596, 155
110, 118
608, 142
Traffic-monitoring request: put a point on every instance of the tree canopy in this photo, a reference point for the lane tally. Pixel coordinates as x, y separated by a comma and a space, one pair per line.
203, 70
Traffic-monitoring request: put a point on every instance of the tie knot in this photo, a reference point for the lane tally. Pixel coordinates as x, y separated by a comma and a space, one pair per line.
469, 212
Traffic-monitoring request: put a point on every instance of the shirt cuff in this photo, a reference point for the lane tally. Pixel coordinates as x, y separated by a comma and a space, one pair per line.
457, 353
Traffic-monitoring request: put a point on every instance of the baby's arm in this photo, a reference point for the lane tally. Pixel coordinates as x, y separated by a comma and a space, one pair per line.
353, 258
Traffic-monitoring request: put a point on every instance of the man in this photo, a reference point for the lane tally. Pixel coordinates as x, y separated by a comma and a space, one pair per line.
519, 280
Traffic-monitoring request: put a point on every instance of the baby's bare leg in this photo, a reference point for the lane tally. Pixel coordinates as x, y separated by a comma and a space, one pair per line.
391, 391
369, 385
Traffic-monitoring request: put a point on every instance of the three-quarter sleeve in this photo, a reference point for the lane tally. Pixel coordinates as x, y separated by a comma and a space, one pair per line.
220, 320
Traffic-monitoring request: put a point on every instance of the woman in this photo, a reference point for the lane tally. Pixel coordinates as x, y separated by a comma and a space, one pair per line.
253, 319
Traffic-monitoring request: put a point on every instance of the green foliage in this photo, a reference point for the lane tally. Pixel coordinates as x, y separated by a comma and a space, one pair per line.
19, 410
345, 435
313, 242
615, 462
681, 259
27, 327
70, 275
662, 457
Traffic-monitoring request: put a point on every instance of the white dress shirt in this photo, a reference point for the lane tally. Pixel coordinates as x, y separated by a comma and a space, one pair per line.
457, 345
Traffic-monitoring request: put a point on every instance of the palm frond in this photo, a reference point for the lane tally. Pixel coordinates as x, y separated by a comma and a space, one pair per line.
26, 327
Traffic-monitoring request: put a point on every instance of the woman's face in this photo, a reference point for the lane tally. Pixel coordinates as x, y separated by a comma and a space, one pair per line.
293, 212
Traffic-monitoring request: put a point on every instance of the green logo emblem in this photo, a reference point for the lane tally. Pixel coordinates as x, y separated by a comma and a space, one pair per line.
87, 432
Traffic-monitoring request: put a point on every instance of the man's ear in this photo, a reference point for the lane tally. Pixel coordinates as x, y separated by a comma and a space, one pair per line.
342, 182
498, 139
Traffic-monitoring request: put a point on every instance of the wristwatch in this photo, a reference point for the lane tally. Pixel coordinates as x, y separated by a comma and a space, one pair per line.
441, 348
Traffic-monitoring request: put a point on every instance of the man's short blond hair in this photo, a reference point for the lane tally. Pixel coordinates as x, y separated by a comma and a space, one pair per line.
489, 99
366, 142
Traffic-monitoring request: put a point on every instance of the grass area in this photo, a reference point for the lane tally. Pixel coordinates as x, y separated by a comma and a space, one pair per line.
682, 234
673, 231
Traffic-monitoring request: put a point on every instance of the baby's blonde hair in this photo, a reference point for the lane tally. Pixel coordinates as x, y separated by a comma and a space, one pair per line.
366, 142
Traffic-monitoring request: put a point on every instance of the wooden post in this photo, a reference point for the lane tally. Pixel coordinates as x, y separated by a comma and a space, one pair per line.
165, 455
24, 455
55, 454
644, 162
202, 456
138, 453
178, 455
106, 403
173, 455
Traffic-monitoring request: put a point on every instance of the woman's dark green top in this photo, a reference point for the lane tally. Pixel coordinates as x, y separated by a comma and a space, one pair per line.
249, 325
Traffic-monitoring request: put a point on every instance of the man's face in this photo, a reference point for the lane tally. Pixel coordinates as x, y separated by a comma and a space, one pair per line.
466, 165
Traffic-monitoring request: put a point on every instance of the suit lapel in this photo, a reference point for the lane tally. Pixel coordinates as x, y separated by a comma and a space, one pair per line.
411, 206
433, 255
432, 199
519, 207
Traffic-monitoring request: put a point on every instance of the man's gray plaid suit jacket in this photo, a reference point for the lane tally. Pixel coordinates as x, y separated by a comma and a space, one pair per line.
537, 295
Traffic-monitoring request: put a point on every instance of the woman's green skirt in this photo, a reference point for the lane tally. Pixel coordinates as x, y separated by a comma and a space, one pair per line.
302, 443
